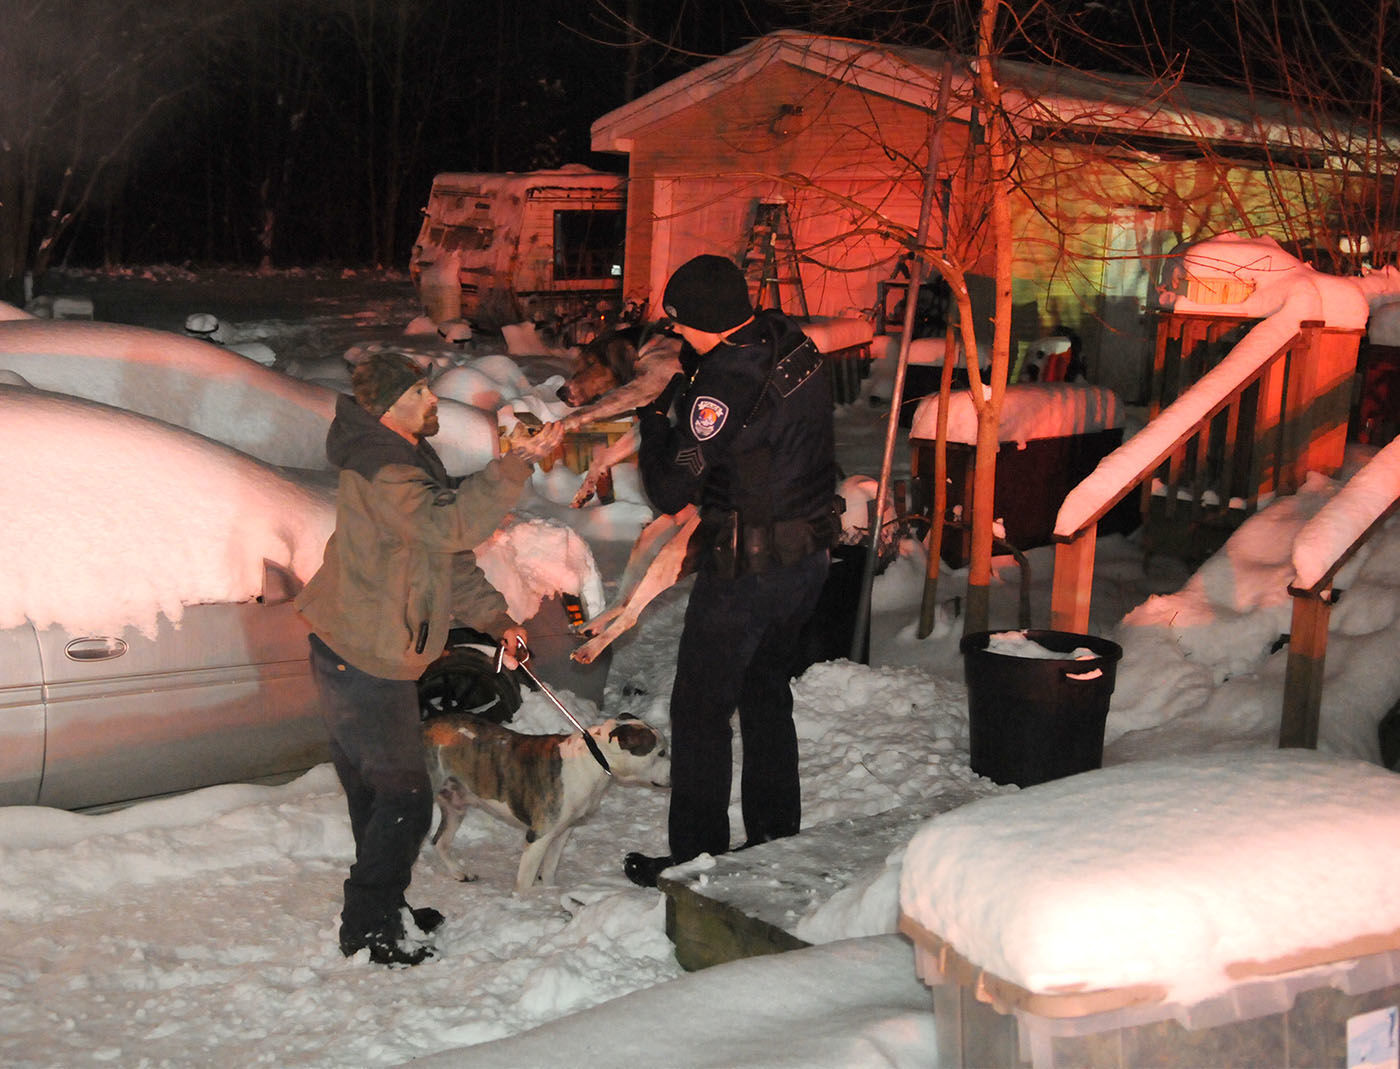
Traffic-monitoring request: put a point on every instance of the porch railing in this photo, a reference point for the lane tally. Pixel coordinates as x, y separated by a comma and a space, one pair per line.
1220, 436
1321, 549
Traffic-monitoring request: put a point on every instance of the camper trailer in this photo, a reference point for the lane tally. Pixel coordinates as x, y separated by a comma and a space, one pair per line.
507, 248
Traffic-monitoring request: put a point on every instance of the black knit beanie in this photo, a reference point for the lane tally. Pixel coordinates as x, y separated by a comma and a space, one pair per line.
708, 293
382, 379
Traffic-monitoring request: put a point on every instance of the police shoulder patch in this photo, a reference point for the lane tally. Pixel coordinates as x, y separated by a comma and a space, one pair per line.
707, 416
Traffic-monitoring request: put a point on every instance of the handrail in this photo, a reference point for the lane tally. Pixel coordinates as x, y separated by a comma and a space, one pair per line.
1371, 496
1168, 434
1320, 550
1128, 456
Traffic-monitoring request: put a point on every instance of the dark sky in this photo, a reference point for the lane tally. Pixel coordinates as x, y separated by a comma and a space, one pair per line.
289, 128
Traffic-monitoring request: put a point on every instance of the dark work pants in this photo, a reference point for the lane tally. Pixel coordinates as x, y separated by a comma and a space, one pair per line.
377, 749
737, 650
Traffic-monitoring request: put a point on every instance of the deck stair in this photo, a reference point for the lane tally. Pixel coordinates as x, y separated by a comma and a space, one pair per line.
1284, 416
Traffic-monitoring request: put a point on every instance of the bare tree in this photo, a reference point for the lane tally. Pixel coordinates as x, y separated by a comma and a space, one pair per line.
81, 83
402, 48
1320, 90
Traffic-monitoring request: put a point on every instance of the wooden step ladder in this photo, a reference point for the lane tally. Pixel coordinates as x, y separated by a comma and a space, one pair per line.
770, 261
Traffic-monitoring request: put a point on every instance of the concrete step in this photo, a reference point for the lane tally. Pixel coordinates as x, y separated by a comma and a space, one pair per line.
751, 902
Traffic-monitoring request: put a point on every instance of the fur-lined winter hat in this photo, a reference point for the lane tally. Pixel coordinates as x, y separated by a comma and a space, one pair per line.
708, 293
382, 379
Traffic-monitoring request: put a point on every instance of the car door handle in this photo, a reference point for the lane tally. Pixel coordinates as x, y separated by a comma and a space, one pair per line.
94, 649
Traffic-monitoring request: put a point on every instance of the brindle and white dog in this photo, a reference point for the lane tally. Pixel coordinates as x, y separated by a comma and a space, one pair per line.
547, 783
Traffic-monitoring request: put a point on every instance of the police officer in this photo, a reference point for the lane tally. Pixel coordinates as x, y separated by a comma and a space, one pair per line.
753, 445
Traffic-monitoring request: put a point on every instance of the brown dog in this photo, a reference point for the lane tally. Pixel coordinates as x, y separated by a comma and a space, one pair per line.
653, 366
605, 363
546, 783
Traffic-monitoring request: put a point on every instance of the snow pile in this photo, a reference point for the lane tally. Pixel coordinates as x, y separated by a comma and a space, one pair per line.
923, 352
1276, 284
182, 520
530, 560
211, 390
1019, 644
1153, 891
181, 380
1204, 667
484, 382
199, 532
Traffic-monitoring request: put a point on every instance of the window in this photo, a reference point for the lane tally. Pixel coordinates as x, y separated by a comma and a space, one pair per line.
588, 244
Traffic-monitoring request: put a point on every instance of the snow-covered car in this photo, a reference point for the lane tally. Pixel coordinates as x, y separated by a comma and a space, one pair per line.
209, 389
148, 642
147, 639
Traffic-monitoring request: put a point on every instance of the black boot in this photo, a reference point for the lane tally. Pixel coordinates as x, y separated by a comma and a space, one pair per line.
386, 947
427, 918
393, 954
643, 870
385, 939
761, 838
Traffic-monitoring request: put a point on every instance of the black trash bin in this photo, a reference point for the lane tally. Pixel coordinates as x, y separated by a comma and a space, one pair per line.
1036, 719
830, 633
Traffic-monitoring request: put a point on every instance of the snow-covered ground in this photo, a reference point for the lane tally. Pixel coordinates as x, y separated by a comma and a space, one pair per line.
201, 929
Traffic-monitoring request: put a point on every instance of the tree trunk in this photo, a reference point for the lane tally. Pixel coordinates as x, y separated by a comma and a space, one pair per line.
998, 156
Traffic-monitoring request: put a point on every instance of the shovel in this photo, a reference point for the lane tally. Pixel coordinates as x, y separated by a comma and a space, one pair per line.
522, 657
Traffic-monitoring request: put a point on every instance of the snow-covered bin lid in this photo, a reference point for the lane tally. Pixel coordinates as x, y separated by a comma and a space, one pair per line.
1172, 880
830, 334
923, 352
1029, 411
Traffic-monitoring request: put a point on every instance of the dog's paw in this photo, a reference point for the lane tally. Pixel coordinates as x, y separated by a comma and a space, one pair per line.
466, 877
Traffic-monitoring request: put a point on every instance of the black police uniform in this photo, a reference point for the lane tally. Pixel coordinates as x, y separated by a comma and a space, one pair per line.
753, 444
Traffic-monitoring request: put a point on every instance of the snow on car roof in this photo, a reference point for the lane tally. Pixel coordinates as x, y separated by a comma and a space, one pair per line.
212, 390
181, 380
126, 518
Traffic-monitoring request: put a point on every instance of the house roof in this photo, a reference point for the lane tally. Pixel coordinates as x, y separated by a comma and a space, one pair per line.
1034, 95
518, 183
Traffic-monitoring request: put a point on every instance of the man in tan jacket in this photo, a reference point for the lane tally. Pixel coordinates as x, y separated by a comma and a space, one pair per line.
398, 573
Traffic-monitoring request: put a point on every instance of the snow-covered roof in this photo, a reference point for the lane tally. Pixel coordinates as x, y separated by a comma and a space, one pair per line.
518, 183
1033, 94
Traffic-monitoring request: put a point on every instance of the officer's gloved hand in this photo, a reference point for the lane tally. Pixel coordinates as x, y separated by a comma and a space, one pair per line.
661, 404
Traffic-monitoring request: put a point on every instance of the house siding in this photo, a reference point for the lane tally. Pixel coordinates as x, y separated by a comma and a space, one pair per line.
1093, 227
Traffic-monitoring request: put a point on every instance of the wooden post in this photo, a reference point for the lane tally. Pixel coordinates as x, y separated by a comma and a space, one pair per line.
1307, 654
1074, 582
1266, 456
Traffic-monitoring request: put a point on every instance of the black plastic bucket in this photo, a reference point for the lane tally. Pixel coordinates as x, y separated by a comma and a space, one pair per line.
1034, 719
830, 632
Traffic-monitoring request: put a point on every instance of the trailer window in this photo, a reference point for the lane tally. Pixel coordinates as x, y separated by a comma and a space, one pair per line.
588, 244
